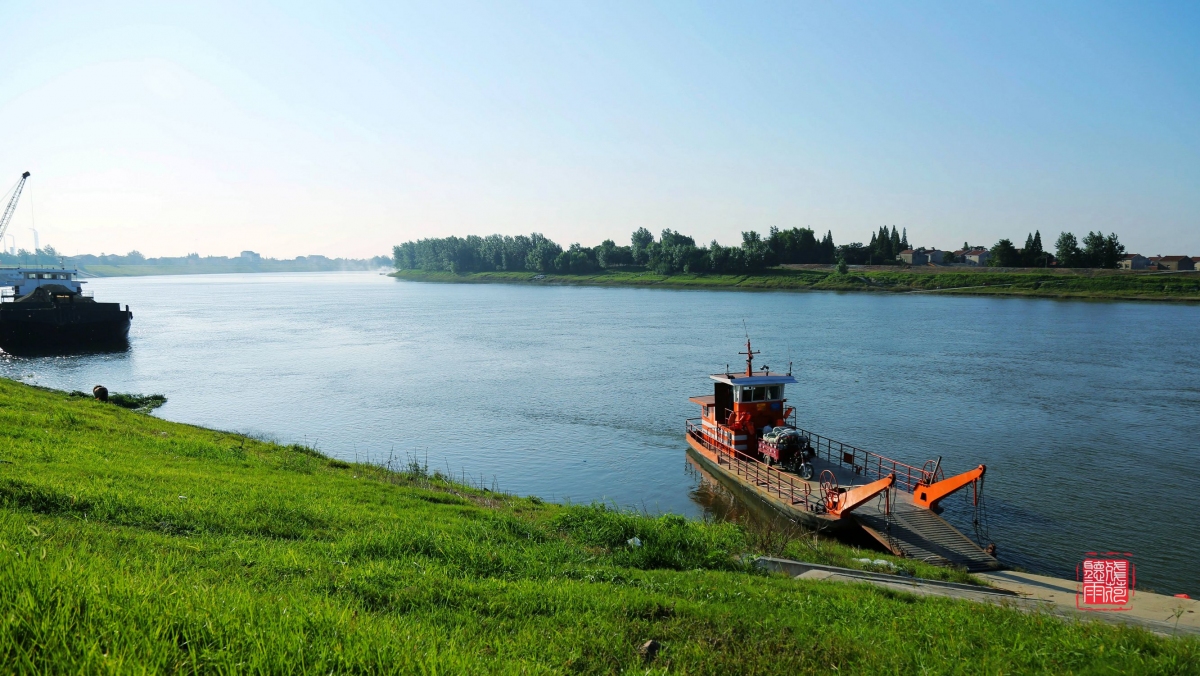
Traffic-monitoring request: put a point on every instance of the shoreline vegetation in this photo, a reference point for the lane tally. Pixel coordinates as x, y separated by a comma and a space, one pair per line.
1070, 283
797, 260
130, 543
134, 264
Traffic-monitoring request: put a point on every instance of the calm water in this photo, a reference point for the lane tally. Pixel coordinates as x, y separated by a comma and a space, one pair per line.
1086, 414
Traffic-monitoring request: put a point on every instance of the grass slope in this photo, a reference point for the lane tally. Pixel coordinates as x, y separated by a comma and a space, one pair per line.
1091, 284
132, 544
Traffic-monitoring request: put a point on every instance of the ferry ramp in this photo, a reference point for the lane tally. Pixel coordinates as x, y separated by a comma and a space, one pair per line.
916, 533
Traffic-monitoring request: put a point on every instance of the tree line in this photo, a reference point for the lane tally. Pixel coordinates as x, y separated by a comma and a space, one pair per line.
674, 252
48, 255
671, 253
1097, 251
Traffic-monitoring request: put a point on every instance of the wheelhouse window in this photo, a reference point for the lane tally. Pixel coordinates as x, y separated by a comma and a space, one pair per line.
751, 394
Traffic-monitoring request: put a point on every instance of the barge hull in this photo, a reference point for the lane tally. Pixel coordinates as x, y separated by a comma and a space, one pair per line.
52, 327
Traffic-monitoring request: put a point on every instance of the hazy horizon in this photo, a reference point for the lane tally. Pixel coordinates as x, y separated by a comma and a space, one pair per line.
343, 129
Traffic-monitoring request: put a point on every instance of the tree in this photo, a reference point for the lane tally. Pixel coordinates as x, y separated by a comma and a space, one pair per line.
842, 268
1032, 255
1005, 255
639, 245
948, 258
904, 240
828, 250
1113, 251
609, 255
797, 245
1100, 251
1066, 249
1035, 255
542, 254
895, 241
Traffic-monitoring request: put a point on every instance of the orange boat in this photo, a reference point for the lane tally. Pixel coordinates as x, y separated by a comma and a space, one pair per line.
747, 437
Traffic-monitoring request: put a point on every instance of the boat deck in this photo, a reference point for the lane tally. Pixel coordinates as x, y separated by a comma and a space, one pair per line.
908, 531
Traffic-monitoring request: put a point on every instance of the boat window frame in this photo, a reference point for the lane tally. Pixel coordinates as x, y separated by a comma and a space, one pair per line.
747, 394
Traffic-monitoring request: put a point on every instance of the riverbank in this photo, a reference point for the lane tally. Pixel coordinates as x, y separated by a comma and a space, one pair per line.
1073, 284
129, 543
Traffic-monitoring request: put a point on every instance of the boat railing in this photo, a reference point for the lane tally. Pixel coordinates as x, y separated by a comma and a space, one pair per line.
865, 463
782, 485
8, 294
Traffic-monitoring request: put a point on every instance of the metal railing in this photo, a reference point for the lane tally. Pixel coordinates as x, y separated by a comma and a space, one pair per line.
870, 465
786, 487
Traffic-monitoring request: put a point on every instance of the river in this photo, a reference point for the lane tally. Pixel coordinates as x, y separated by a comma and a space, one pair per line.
1087, 414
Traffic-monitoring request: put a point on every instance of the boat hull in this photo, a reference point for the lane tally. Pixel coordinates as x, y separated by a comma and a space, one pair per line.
49, 326
744, 489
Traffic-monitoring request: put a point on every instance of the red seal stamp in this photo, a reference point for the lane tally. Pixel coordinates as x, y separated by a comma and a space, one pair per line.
1106, 581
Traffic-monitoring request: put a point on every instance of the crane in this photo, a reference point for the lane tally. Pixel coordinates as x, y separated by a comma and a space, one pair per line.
12, 204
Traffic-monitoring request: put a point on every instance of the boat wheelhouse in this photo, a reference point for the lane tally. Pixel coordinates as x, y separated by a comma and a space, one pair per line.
21, 281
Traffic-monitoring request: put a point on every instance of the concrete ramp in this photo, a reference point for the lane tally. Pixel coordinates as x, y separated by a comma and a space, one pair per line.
917, 533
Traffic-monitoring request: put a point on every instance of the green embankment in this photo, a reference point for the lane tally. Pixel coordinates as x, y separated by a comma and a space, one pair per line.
1093, 284
132, 544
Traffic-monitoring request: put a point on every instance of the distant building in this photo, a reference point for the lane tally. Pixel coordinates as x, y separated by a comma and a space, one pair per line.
976, 256
921, 256
250, 256
1133, 262
1176, 263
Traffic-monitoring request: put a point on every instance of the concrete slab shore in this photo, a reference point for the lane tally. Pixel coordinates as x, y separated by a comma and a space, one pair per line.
1158, 613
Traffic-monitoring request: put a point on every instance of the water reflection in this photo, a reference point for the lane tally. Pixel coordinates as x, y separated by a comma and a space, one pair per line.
769, 530
116, 346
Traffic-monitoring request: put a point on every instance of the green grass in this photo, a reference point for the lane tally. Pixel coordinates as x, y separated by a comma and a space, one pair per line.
130, 544
1080, 284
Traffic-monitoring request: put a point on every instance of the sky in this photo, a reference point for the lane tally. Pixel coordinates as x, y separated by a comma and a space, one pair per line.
295, 128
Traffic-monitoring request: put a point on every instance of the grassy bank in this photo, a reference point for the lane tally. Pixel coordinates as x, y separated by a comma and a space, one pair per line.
1088, 284
131, 544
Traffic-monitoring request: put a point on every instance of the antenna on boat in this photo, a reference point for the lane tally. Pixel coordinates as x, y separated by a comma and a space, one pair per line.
749, 356
789, 359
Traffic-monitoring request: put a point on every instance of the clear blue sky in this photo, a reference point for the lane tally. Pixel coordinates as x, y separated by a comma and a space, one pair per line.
343, 128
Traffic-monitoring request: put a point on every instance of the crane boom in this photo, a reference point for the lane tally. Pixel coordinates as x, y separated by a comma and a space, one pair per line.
12, 204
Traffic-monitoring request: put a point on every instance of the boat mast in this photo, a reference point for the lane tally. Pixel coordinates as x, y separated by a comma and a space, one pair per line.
749, 358
12, 204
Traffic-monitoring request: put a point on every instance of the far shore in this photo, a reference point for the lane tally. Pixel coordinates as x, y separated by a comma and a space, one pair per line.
1069, 283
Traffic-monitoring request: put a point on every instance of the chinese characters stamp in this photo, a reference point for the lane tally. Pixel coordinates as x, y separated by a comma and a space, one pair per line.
1106, 581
